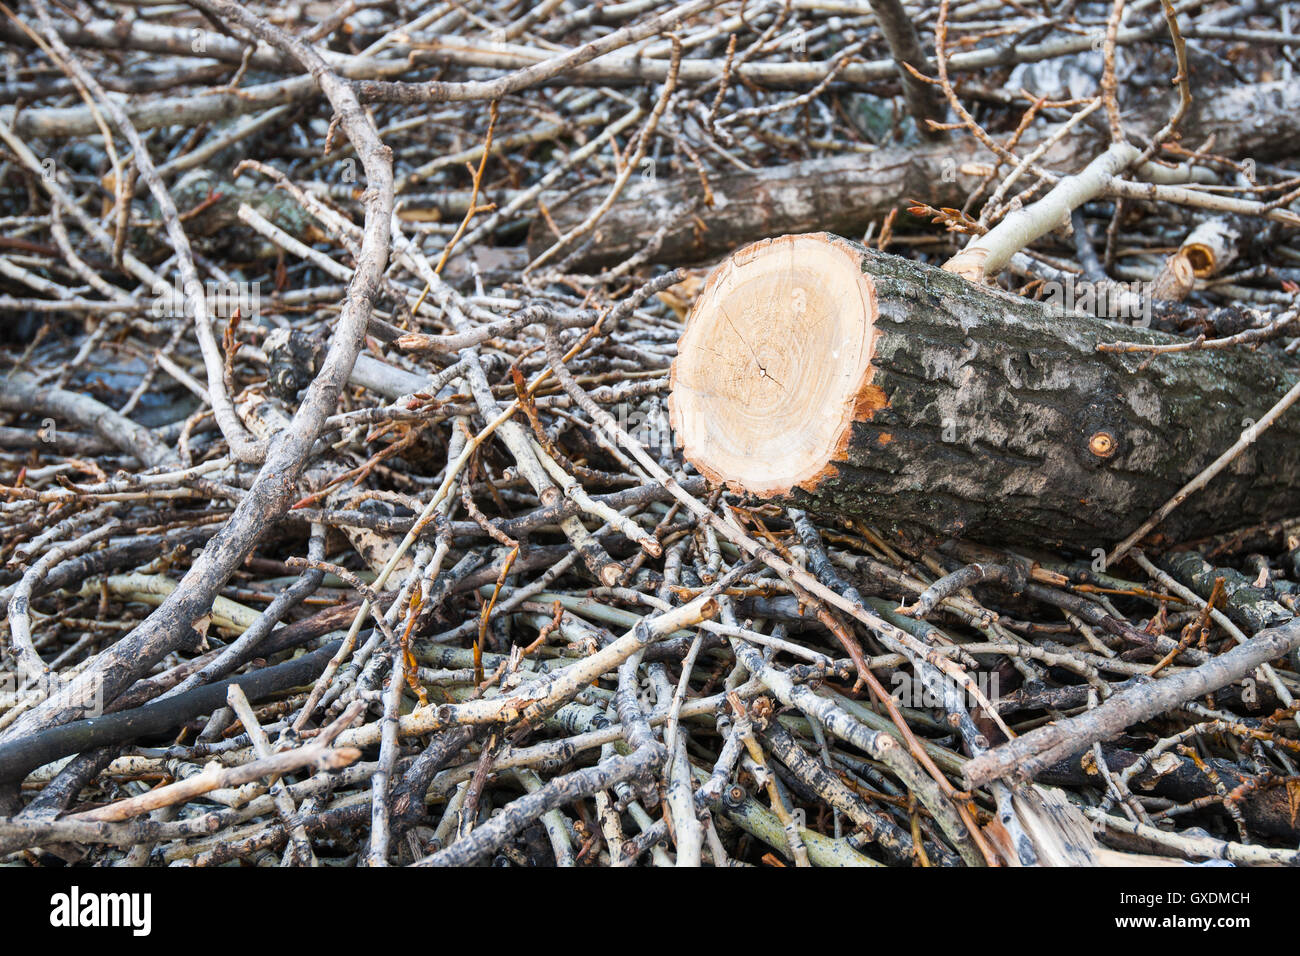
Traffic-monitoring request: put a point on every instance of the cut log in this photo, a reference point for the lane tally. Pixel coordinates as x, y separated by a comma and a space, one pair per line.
820, 373
847, 193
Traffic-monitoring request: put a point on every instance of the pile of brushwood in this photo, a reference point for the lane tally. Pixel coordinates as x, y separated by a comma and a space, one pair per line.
341, 518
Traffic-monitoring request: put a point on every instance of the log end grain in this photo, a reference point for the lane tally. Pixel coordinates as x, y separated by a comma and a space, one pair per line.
775, 364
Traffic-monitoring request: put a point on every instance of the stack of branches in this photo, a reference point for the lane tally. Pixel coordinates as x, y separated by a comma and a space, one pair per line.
338, 487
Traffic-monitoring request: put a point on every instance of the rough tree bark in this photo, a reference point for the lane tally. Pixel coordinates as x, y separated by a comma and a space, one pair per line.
821, 373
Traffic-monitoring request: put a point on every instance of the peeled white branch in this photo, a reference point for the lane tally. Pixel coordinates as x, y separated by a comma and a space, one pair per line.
986, 255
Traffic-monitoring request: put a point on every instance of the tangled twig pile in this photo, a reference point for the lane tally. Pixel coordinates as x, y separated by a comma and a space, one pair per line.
338, 482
